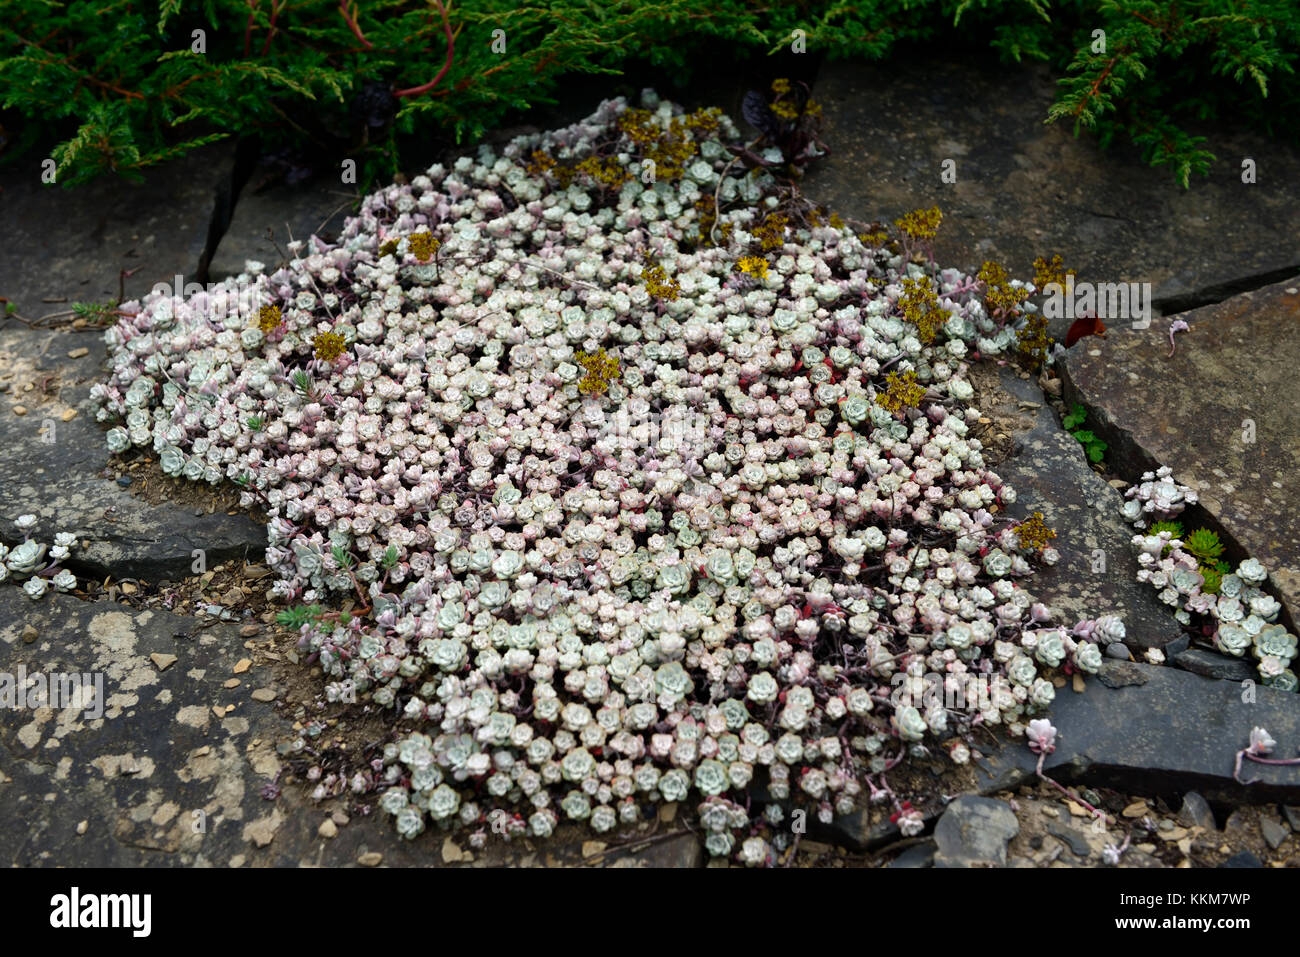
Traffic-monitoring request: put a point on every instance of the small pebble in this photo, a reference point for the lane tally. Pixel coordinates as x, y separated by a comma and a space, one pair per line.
124, 480
20, 410
30, 634
248, 631
162, 661
82, 826
69, 415
242, 665
339, 818
78, 353
1135, 810
327, 828
1273, 832
370, 859
263, 694
1117, 649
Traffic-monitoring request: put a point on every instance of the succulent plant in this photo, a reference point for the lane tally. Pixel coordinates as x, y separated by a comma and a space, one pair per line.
448, 423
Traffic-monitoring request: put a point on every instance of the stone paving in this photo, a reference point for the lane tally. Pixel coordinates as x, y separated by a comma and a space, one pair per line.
1223, 411
54, 467
1025, 189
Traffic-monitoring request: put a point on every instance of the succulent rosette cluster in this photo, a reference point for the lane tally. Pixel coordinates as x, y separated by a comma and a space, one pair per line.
690, 573
37, 564
1240, 616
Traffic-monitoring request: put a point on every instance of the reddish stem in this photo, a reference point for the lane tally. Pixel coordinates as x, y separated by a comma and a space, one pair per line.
248, 27
352, 24
275, 12
451, 48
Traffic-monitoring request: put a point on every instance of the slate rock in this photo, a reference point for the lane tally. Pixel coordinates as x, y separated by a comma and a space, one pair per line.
973, 832
318, 206
1026, 189
1196, 812
1173, 731
685, 851
1221, 413
132, 760
1274, 833
72, 243
918, 855
156, 760
1292, 816
60, 481
1211, 664
1242, 859
1050, 474
1077, 842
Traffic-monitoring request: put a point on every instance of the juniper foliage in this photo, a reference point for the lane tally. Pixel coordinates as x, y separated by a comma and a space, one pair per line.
133, 84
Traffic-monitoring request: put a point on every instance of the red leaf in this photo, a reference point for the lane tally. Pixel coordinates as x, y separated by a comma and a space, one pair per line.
1087, 326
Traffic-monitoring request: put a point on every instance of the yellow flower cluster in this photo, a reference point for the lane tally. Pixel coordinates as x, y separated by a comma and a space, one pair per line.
1048, 272
599, 369
388, 248
659, 284
920, 307
877, 237
540, 163
606, 172
921, 223
1000, 296
755, 266
788, 109
903, 392
705, 122
1034, 533
328, 346
785, 110
771, 231
269, 319
639, 126
671, 149
423, 246
1034, 342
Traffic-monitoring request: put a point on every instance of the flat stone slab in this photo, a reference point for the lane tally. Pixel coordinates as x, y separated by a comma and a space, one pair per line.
171, 770
1097, 573
71, 244
316, 207
1233, 374
1025, 189
1152, 729
52, 465
973, 832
